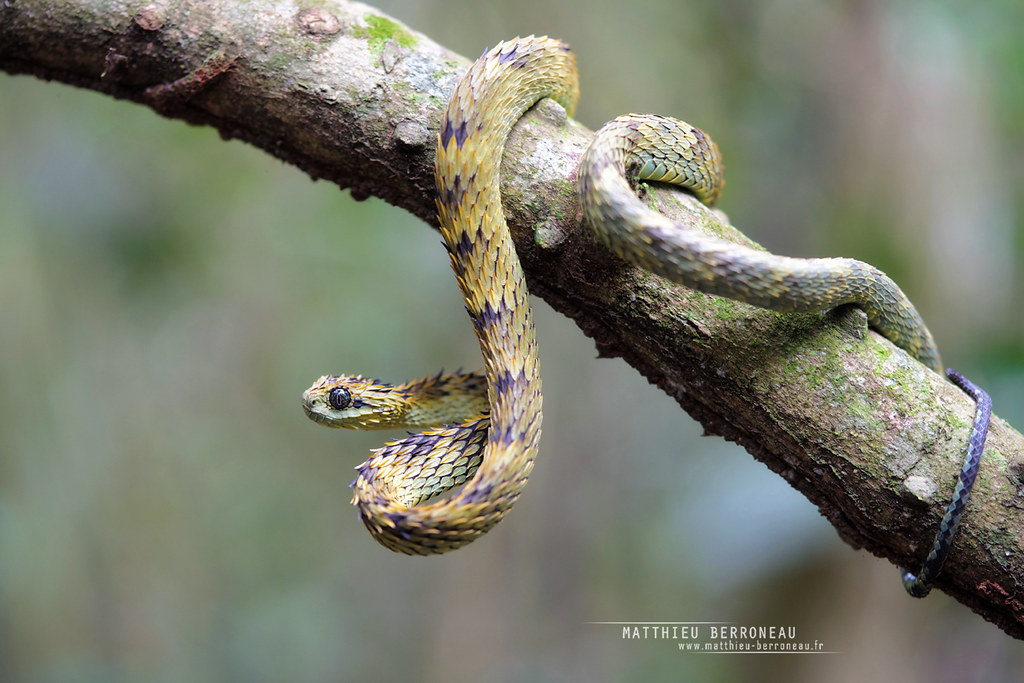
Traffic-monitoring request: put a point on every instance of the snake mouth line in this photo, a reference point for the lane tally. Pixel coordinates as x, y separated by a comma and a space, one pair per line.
314, 416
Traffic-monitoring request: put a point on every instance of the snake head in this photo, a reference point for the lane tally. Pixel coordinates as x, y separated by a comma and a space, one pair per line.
357, 402
354, 402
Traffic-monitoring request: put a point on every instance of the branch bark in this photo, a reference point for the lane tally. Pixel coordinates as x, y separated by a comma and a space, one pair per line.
867, 434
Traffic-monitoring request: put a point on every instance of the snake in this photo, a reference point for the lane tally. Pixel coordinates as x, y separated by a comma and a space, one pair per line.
479, 431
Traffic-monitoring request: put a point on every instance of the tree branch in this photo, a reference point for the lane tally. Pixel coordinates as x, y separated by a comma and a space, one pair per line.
869, 435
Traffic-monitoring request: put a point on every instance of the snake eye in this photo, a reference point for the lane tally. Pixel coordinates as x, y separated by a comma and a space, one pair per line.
339, 398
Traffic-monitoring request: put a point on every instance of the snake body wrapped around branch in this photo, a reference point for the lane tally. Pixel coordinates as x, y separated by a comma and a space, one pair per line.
490, 428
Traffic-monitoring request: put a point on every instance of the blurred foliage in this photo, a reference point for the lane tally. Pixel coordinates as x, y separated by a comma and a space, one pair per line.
168, 513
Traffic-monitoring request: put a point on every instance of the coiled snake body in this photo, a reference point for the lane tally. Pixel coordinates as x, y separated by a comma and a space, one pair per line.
492, 454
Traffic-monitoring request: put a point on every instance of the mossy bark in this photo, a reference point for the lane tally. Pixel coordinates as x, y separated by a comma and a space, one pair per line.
869, 435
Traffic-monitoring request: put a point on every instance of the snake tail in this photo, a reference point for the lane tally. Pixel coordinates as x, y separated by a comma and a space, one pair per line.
920, 584
662, 149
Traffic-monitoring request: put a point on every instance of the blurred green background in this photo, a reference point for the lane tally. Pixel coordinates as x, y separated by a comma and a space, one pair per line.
167, 513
